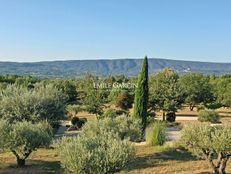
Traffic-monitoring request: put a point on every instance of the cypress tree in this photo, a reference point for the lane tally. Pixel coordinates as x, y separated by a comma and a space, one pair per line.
141, 95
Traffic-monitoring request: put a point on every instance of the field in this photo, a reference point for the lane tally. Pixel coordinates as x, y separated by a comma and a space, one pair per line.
155, 160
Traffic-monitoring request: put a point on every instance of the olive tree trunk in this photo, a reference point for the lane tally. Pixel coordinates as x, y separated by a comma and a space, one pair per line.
191, 107
21, 161
220, 166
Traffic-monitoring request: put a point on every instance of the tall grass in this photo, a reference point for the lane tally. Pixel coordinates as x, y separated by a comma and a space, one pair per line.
156, 134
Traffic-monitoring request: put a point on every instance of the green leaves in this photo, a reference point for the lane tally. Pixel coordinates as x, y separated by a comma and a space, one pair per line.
41, 103
24, 137
199, 136
141, 95
197, 88
165, 91
208, 116
97, 150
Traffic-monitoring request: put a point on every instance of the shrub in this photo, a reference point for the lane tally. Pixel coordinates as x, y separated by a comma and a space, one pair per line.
78, 122
214, 105
126, 127
124, 100
74, 120
208, 116
72, 110
100, 152
81, 122
212, 143
200, 107
156, 134
23, 138
112, 113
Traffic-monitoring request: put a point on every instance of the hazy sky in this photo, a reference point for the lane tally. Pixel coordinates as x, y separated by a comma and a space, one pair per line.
35, 30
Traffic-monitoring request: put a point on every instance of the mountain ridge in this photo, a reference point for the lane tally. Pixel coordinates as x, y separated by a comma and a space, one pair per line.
102, 67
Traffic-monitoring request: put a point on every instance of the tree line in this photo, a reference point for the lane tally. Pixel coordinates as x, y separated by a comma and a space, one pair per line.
168, 91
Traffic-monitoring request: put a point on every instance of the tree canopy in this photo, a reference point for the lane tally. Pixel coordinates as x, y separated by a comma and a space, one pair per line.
210, 142
41, 103
197, 88
22, 138
165, 92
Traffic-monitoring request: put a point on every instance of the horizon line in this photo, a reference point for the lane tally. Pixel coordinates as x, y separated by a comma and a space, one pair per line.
99, 59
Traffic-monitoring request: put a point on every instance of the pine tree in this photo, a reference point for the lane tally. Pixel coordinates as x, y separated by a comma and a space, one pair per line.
141, 95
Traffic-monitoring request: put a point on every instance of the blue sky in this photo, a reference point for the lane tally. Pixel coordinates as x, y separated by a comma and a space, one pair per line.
37, 30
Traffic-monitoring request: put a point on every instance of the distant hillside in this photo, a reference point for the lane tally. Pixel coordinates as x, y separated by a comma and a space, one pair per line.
129, 67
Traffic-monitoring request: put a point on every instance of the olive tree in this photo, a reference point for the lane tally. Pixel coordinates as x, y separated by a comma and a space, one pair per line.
41, 103
212, 143
97, 150
22, 138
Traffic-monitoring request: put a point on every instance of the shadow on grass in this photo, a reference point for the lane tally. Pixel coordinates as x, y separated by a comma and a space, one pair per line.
34, 167
158, 159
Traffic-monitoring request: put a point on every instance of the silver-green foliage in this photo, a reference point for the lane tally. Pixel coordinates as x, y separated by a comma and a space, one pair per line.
125, 126
210, 142
41, 103
156, 134
99, 151
208, 116
24, 137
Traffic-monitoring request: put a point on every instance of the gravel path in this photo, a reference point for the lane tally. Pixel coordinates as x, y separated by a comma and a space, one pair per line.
173, 134
62, 131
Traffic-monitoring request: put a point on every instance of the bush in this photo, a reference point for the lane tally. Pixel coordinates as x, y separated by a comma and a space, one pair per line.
214, 105
200, 107
112, 113
208, 116
74, 120
81, 122
72, 110
126, 127
124, 100
78, 122
100, 152
156, 134
171, 116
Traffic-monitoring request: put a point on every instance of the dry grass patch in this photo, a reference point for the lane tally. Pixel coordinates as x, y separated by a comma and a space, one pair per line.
165, 160
42, 161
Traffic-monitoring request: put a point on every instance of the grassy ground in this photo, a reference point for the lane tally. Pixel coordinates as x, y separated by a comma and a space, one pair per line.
42, 161
153, 160
165, 160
